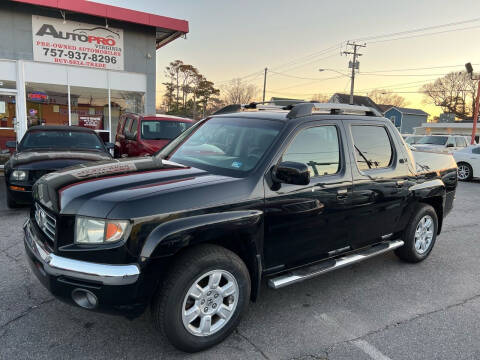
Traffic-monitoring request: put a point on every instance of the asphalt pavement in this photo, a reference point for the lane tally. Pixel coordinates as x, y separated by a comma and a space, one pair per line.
380, 309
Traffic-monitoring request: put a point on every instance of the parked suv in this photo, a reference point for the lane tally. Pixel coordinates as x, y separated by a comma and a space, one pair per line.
139, 135
285, 195
442, 143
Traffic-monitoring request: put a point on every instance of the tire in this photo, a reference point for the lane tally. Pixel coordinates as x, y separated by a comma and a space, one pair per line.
201, 265
419, 245
11, 203
465, 171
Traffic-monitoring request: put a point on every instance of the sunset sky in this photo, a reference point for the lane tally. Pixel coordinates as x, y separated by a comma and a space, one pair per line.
239, 39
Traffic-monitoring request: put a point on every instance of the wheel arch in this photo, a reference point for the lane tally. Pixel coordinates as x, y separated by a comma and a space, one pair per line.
437, 203
238, 231
433, 193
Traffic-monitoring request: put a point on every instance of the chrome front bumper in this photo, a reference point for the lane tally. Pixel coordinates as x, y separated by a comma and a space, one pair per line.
54, 265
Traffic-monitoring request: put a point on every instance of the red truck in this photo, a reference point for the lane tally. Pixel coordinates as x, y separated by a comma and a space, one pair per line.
140, 135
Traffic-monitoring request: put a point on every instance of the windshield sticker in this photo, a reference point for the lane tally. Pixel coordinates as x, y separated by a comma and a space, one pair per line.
236, 164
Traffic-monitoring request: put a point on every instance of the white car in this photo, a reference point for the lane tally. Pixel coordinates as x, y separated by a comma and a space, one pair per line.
441, 143
468, 162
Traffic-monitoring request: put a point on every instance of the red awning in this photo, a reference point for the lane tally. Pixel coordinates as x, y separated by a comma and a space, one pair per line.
167, 29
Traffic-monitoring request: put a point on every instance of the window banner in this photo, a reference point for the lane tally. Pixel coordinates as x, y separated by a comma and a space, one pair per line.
79, 44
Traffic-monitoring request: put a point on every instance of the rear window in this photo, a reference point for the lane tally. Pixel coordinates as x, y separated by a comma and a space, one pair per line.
373, 149
163, 130
433, 140
53, 139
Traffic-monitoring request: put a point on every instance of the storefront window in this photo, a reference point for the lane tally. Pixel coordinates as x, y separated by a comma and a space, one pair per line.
47, 104
6, 84
90, 109
125, 101
7, 124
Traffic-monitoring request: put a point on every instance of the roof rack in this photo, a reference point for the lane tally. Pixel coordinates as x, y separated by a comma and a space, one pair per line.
261, 105
305, 109
302, 108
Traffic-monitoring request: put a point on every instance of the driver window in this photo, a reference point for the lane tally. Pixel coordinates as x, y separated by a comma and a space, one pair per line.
451, 141
318, 148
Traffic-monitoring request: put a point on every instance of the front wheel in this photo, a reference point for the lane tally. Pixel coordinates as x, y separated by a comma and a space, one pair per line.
203, 298
465, 172
420, 235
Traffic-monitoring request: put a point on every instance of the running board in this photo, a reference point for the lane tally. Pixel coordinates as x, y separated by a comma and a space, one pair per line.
325, 266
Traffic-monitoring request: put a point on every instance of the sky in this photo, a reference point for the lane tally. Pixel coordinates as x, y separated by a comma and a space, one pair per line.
293, 39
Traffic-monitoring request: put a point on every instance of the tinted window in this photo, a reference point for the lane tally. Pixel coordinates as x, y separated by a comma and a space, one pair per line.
316, 147
162, 130
60, 140
433, 140
230, 144
134, 128
461, 142
476, 150
372, 147
128, 122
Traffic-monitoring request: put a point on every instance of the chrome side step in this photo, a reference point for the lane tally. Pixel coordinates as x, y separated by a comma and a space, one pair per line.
323, 267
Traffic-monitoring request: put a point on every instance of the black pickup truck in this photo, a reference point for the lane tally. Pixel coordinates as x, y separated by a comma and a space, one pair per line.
253, 193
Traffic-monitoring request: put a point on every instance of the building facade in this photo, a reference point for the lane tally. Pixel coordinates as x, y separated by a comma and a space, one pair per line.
77, 63
405, 119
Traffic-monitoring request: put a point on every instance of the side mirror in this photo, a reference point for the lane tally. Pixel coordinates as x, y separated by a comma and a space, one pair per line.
109, 145
11, 144
290, 172
450, 145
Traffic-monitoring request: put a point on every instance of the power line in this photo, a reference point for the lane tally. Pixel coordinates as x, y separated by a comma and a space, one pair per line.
367, 38
299, 77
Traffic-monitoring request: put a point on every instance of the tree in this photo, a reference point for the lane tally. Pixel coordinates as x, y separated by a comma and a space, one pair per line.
321, 98
238, 92
381, 96
454, 93
172, 72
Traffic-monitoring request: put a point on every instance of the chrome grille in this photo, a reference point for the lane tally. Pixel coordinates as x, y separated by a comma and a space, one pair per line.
46, 222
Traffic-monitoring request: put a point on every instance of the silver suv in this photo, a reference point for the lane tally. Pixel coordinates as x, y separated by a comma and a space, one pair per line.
443, 143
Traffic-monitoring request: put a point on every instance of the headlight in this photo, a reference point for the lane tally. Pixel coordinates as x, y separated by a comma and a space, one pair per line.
98, 231
18, 175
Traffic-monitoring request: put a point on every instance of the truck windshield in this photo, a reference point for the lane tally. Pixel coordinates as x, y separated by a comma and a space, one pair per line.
232, 144
59, 139
162, 129
433, 140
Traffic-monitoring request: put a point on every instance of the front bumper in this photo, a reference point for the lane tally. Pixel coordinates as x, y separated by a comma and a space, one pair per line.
115, 286
21, 196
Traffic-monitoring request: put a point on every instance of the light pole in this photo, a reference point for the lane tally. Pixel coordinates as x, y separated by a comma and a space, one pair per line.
469, 68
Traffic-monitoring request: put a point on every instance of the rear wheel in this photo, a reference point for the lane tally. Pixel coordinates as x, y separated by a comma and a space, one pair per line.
203, 298
465, 172
420, 235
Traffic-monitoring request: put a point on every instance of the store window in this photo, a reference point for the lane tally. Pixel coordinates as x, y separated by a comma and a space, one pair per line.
7, 125
124, 102
6, 84
47, 104
89, 108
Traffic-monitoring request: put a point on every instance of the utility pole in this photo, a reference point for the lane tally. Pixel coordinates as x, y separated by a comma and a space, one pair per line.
469, 68
264, 84
354, 64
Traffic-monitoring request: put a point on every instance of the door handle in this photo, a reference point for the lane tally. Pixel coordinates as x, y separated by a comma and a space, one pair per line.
342, 194
400, 183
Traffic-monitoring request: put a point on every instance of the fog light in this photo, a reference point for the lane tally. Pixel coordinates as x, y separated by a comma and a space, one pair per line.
17, 188
84, 298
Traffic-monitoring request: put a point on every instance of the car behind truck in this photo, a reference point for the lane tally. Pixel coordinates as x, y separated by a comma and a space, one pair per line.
259, 192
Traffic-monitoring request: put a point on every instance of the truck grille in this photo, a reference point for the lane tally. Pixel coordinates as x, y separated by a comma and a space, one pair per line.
46, 222
37, 174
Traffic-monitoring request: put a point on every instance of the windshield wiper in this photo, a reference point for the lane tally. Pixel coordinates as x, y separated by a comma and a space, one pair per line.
369, 163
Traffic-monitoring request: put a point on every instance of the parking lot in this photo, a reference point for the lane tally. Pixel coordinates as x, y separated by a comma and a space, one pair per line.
378, 309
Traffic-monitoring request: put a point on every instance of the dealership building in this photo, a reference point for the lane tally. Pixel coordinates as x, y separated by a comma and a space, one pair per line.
82, 63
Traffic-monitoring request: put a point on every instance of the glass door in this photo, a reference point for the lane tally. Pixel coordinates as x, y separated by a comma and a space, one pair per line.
8, 119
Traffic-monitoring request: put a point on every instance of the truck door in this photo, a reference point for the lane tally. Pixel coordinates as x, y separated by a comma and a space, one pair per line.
304, 223
380, 182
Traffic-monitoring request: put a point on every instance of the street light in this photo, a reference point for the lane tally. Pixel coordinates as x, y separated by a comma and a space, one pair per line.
469, 68
338, 72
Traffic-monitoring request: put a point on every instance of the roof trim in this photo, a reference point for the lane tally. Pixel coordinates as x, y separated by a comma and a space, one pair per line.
178, 27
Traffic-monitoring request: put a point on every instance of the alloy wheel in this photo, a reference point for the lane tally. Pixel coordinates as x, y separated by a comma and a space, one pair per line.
463, 172
210, 303
424, 234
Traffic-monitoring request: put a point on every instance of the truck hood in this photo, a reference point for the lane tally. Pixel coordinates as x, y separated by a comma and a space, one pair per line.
53, 159
427, 162
133, 188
